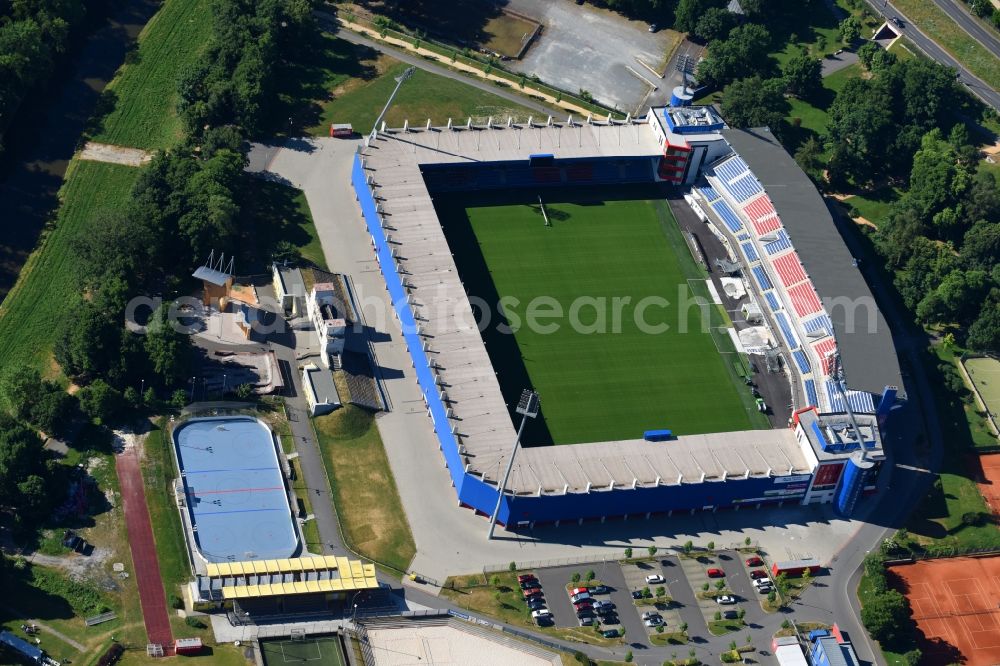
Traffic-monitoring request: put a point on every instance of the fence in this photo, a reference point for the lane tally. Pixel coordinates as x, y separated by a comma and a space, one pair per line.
640, 553
943, 553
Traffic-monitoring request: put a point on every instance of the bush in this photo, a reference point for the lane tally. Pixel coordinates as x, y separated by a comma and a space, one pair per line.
575, 577
194, 622
628, 656
82, 598
512, 566
710, 545
628, 553
591, 575
972, 518
176, 602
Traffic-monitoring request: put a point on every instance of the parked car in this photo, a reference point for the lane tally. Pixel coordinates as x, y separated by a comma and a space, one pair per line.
758, 573
600, 589
755, 561
730, 615
611, 618
585, 613
716, 573
579, 597
764, 589
531, 592
654, 621
528, 584
637, 594
541, 612
603, 606
579, 590
586, 621
654, 579
725, 599
524, 578
611, 633
535, 603
649, 614
584, 606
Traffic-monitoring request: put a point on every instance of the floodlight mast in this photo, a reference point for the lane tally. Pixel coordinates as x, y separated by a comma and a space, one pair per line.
399, 83
527, 407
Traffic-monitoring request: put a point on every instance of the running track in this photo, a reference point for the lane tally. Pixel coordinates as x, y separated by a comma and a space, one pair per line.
140, 539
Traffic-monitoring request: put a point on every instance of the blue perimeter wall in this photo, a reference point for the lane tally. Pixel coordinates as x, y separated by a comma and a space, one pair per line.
482, 497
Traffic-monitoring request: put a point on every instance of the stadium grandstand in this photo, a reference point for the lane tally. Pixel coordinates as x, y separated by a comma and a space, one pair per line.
775, 224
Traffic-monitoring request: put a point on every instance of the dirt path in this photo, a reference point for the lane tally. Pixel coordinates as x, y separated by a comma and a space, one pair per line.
103, 152
79, 647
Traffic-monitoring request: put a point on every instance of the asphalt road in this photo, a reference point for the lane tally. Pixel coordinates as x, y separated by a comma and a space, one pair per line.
935, 52
981, 33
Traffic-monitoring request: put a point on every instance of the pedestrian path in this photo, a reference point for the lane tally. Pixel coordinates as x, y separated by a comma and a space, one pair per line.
103, 152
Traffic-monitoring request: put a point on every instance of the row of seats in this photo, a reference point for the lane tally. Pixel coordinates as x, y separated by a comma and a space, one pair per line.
804, 299
820, 323
744, 187
759, 208
730, 169
708, 193
762, 280
781, 243
750, 252
811, 396
730, 219
801, 360
789, 269
786, 330
766, 225
861, 402
772, 301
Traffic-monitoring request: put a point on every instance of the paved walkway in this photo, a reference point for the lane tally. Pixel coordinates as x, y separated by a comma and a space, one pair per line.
141, 543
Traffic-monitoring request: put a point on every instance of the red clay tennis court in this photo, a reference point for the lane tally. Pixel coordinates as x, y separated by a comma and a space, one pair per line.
956, 604
988, 479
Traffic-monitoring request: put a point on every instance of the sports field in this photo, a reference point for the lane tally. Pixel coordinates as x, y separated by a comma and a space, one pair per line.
624, 356
985, 374
314, 651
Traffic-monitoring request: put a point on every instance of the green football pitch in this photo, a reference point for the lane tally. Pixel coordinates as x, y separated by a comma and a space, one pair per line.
318, 651
608, 368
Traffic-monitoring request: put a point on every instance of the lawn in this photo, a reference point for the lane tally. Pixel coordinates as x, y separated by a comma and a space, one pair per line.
865, 593
358, 101
505, 33
47, 284
810, 117
985, 374
145, 90
605, 368
943, 30
874, 206
272, 214
368, 505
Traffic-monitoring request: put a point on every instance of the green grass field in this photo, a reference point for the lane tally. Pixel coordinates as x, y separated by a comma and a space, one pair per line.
599, 379
364, 491
144, 114
359, 100
47, 284
985, 374
316, 651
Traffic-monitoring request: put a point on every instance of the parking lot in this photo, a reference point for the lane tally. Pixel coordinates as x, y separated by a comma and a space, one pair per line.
604, 45
555, 579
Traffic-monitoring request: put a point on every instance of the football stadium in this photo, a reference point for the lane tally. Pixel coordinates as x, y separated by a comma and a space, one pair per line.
546, 256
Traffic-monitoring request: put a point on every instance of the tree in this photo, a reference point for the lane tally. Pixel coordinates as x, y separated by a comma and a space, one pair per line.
688, 547
88, 343
747, 541
714, 23
755, 102
718, 615
914, 656
850, 29
860, 132
720, 584
512, 566
575, 577
179, 398
495, 581
710, 546
984, 334
661, 592
591, 575
101, 402
628, 657
772, 596
684, 627
689, 12
886, 616
628, 553
808, 154
802, 75
53, 410
742, 54
131, 396
19, 390
651, 550
705, 586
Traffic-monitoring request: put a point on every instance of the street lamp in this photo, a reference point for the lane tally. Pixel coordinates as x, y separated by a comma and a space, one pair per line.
192, 389
527, 407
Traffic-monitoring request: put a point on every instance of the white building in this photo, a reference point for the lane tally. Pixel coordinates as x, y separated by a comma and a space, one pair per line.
289, 287
321, 392
324, 311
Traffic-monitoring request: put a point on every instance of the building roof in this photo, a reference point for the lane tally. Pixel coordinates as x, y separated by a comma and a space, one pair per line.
212, 276
867, 352
837, 654
790, 655
19, 644
291, 280
322, 386
298, 575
